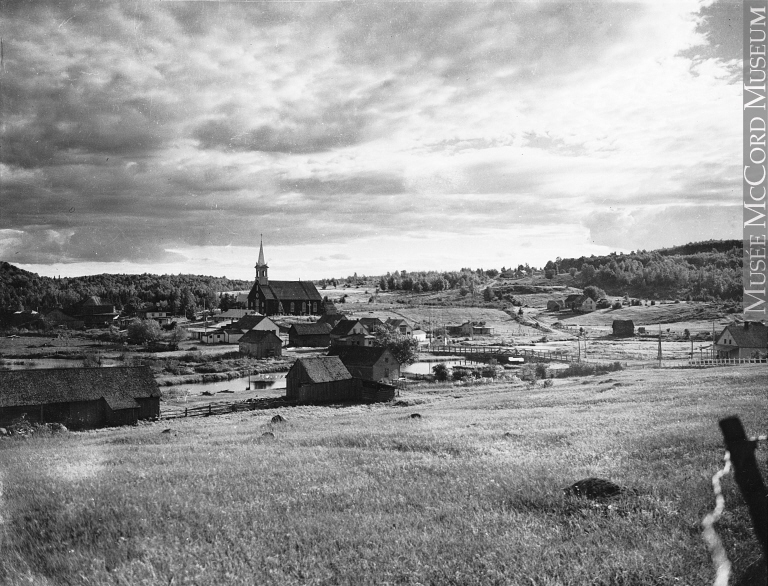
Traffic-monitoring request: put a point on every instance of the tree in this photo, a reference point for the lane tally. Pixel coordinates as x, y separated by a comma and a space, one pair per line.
549, 273
594, 292
404, 348
177, 335
440, 371
572, 271
488, 294
142, 331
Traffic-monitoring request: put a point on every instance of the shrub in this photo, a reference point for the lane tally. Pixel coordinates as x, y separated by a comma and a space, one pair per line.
586, 369
440, 371
541, 370
548, 382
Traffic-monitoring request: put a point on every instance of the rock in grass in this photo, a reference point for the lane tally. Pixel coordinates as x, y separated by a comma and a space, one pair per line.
166, 430
595, 488
56, 427
278, 419
415, 416
268, 435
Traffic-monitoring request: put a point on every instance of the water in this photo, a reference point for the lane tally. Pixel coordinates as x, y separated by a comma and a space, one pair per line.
36, 363
237, 385
426, 367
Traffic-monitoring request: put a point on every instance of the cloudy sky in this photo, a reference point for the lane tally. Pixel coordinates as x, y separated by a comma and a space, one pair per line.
363, 136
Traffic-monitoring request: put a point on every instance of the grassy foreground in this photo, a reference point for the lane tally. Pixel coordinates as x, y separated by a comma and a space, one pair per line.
470, 493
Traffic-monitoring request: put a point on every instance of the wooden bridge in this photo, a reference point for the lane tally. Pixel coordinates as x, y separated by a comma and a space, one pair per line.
501, 353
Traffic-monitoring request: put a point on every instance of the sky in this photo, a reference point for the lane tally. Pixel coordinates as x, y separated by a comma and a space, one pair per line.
168, 137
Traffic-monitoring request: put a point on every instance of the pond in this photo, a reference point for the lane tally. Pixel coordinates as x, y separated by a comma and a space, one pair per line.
238, 385
36, 363
426, 367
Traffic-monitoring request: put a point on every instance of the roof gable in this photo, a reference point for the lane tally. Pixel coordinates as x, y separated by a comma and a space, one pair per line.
315, 329
120, 386
293, 290
346, 327
324, 369
361, 355
750, 335
258, 336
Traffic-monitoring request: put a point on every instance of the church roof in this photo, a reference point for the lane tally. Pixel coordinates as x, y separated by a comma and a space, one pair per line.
292, 290
261, 262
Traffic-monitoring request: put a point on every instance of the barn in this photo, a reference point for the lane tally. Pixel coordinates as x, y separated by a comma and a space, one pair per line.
376, 363
260, 344
80, 398
320, 380
555, 304
623, 328
309, 335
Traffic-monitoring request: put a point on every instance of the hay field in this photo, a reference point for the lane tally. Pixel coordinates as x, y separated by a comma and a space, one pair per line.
470, 493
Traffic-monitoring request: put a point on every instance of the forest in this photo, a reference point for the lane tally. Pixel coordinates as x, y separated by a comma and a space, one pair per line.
178, 294
703, 271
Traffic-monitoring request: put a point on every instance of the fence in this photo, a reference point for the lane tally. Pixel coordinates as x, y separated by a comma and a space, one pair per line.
703, 363
221, 408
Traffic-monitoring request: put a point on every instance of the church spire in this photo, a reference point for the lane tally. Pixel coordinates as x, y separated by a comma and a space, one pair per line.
261, 251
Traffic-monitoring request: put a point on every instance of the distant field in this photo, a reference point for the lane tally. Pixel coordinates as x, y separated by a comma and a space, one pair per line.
470, 493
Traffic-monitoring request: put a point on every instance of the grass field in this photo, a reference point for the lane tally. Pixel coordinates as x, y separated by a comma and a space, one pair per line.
470, 493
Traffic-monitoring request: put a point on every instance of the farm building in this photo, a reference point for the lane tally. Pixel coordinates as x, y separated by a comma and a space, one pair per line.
376, 363
80, 398
580, 303
624, 328
420, 336
282, 297
260, 323
94, 313
749, 340
232, 315
310, 335
152, 312
354, 340
214, 336
555, 304
57, 318
261, 344
320, 379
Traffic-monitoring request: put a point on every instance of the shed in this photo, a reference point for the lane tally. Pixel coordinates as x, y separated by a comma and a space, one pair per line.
623, 328
310, 335
376, 363
555, 305
261, 344
320, 380
80, 398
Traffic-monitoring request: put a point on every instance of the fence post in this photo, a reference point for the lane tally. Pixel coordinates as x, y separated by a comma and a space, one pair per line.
747, 476
209, 408
185, 411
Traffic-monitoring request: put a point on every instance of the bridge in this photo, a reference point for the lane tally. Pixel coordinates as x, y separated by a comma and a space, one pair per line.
501, 353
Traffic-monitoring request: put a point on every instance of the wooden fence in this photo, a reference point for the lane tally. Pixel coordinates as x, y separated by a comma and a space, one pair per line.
702, 363
221, 408
503, 352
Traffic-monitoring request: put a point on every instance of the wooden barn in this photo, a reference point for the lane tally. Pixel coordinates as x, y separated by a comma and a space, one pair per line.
376, 363
57, 318
318, 380
555, 304
331, 319
623, 328
80, 398
309, 335
94, 313
261, 344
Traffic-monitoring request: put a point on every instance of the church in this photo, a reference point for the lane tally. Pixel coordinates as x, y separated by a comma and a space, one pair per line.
282, 297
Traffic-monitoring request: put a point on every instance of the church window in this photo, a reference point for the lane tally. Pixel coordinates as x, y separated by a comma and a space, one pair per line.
303, 307
314, 307
292, 307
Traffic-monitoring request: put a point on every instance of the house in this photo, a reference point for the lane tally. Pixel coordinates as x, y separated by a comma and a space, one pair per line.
232, 315
94, 313
26, 318
371, 323
749, 340
235, 330
346, 328
310, 335
376, 363
80, 398
623, 328
282, 297
581, 303
57, 318
331, 319
354, 340
160, 316
400, 326
261, 344
420, 336
320, 380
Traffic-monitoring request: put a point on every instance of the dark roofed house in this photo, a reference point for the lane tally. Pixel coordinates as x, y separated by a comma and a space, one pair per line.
400, 326
348, 327
261, 344
331, 318
58, 318
94, 313
749, 340
80, 398
624, 328
320, 380
248, 323
310, 335
376, 363
282, 297
371, 323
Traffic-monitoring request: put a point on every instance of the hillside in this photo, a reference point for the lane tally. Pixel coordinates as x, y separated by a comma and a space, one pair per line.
22, 289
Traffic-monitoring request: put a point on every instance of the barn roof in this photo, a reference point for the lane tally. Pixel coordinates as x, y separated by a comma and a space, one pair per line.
360, 355
316, 329
750, 335
371, 323
324, 369
119, 386
623, 322
248, 322
331, 318
259, 336
573, 297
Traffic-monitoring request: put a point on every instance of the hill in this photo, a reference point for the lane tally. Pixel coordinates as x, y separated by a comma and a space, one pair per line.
20, 289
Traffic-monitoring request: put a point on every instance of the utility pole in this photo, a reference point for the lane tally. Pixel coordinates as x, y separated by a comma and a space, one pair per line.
659, 346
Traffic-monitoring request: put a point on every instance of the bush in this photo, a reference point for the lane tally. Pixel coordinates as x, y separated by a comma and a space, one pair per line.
548, 382
586, 369
541, 370
440, 371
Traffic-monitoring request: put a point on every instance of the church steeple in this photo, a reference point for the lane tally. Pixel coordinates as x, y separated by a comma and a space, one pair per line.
261, 266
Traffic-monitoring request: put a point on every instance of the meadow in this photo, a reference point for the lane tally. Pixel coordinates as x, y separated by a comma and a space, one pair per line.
471, 492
